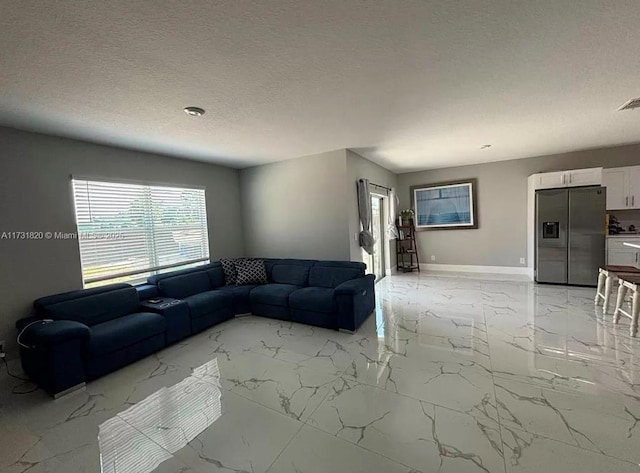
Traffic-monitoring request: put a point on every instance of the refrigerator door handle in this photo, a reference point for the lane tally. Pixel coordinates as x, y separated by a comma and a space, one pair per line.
633, 198
626, 201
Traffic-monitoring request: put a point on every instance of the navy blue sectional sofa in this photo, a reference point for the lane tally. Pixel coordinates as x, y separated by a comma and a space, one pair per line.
78, 336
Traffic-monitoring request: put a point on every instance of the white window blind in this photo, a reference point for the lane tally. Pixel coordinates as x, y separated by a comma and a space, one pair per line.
127, 231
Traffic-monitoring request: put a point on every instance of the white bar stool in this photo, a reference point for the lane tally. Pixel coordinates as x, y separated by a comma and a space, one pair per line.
632, 283
607, 275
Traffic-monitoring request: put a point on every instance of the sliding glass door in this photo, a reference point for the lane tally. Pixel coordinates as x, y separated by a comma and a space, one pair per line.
377, 228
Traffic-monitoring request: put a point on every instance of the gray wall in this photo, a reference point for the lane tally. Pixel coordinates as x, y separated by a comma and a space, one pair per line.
361, 168
35, 195
501, 239
296, 208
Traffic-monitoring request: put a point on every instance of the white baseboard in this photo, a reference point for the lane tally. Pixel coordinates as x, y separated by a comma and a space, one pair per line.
468, 268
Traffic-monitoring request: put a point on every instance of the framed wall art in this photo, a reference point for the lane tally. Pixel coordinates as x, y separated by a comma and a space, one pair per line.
445, 206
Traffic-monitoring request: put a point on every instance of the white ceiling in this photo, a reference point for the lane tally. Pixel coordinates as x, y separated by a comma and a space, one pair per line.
411, 84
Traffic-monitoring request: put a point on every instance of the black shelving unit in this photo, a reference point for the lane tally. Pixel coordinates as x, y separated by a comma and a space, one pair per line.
406, 248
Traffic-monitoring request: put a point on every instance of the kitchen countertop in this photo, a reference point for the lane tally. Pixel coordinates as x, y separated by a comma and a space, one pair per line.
625, 235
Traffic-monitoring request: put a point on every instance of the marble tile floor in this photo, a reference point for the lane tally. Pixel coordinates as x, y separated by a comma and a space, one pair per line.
453, 373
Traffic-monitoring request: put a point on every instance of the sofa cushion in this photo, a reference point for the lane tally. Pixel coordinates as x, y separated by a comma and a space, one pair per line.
343, 264
156, 278
123, 332
240, 294
250, 272
311, 317
272, 311
273, 294
216, 276
290, 274
271, 262
41, 303
208, 302
185, 285
318, 299
331, 277
93, 309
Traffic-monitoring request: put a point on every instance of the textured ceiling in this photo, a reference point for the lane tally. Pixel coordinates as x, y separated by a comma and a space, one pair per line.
409, 84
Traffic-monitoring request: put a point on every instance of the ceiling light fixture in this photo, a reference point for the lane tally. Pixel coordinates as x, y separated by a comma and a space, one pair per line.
485, 146
194, 111
630, 105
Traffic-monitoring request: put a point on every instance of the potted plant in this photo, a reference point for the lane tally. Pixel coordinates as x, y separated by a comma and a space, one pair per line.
406, 215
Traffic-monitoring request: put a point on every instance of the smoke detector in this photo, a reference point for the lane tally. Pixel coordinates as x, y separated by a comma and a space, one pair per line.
630, 105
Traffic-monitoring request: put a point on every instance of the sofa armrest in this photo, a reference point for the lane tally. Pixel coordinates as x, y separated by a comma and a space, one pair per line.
356, 300
147, 291
176, 316
52, 354
354, 286
23, 322
50, 333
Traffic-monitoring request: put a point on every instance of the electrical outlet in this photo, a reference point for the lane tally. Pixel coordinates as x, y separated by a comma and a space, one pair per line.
522, 261
433, 257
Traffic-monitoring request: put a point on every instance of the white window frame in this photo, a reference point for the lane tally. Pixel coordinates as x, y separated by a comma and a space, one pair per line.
146, 272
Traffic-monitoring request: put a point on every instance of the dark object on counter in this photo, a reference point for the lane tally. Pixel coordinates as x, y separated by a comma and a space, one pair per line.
614, 226
632, 228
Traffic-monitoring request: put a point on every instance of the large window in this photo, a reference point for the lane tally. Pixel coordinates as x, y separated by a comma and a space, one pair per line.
128, 232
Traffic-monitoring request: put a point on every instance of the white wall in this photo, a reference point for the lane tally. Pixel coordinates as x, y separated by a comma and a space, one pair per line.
501, 239
35, 195
296, 208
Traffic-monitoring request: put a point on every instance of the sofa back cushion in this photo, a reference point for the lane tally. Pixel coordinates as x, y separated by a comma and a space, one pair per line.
332, 276
156, 278
91, 306
216, 275
290, 274
270, 263
185, 285
343, 264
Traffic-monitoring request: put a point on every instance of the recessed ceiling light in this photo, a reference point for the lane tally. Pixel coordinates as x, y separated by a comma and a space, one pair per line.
485, 146
194, 111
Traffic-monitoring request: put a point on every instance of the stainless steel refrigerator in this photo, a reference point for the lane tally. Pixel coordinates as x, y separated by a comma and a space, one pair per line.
570, 235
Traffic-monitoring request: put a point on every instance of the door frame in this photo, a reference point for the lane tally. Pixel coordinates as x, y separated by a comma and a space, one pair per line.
383, 243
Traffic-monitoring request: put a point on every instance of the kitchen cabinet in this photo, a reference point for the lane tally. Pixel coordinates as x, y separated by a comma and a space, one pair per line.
623, 187
551, 180
584, 177
573, 178
619, 254
616, 182
634, 187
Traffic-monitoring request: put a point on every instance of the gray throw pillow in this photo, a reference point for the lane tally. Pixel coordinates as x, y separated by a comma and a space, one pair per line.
229, 269
250, 271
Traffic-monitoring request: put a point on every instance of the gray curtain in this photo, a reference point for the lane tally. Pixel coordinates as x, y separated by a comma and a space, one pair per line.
364, 209
392, 230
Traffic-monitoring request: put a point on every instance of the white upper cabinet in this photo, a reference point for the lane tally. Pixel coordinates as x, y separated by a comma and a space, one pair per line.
616, 180
623, 187
584, 177
574, 178
551, 180
634, 187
